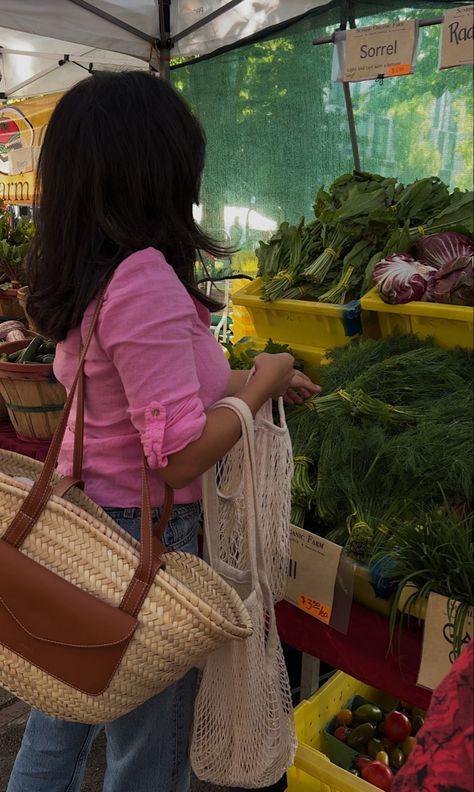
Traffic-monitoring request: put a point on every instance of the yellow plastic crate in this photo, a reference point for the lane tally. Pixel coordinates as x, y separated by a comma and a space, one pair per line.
364, 592
312, 357
448, 325
242, 324
302, 322
245, 263
312, 770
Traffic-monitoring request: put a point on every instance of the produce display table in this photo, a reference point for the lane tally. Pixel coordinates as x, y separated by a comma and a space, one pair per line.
362, 653
37, 449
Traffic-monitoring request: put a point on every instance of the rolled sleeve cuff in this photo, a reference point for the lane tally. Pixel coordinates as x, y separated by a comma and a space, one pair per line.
167, 432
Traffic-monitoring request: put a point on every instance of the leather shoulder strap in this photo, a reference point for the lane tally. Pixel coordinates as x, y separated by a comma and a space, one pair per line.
151, 547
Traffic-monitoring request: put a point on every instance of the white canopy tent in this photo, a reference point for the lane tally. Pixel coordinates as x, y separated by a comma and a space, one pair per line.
45, 46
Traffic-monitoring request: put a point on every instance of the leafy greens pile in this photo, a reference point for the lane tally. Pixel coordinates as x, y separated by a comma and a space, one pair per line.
362, 218
391, 439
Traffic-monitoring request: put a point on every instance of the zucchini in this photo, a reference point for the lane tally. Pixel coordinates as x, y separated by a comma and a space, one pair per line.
43, 359
28, 354
13, 356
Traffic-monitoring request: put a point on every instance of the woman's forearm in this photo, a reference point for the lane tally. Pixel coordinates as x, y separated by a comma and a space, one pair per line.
221, 432
238, 380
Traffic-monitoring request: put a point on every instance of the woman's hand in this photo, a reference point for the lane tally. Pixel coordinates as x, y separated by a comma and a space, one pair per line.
275, 371
301, 388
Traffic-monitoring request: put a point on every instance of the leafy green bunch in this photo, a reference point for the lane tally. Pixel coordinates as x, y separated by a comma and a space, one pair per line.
14, 242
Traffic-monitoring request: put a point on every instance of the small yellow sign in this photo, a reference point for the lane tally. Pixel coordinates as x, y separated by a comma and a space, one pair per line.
315, 608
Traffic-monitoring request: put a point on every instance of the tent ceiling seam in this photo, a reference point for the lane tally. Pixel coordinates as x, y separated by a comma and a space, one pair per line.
205, 20
114, 20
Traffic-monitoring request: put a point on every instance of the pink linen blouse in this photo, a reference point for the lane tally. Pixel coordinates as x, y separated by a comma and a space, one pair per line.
152, 370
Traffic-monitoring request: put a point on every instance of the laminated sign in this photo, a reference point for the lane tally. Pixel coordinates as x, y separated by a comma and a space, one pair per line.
380, 51
319, 581
438, 655
456, 42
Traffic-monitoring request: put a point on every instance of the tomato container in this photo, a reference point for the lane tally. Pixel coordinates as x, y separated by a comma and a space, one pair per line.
312, 770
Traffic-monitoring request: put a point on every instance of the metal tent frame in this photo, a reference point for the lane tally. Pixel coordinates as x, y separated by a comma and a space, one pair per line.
165, 42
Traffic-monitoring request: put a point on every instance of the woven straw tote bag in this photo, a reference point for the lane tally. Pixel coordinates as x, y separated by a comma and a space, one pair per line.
93, 623
244, 732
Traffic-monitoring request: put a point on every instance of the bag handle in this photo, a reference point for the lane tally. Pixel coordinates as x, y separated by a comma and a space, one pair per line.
152, 548
265, 413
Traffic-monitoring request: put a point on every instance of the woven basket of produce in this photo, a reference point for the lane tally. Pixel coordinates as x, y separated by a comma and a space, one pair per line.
12, 330
33, 397
10, 308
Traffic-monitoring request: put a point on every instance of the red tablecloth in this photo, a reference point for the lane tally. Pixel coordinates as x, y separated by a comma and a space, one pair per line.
362, 653
37, 449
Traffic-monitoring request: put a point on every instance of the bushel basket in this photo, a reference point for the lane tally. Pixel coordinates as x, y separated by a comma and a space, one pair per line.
93, 623
10, 308
33, 397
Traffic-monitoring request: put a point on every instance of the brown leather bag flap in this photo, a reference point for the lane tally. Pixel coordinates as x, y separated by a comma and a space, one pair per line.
51, 610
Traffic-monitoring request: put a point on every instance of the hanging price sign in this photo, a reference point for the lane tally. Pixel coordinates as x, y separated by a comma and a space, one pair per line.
457, 43
379, 51
438, 640
313, 574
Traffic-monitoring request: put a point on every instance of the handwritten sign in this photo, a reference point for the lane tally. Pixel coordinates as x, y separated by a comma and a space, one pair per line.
437, 654
313, 572
380, 51
456, 41
315, 608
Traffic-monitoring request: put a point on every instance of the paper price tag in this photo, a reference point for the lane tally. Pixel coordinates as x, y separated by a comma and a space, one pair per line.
315, 608
457, 38
437, 653
398, 71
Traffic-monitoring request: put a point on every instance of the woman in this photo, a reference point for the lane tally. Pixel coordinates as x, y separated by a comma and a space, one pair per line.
119, 172
442, 759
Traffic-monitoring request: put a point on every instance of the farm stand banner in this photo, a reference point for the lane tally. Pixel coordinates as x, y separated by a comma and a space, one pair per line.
22, 128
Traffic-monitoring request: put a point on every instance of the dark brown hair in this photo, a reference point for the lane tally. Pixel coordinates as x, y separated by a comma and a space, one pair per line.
119, 171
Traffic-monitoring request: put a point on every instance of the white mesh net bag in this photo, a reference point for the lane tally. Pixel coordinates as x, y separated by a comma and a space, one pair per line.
243, 725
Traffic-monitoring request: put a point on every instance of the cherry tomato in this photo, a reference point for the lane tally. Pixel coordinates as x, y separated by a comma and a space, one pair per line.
408, 745
379, 775
387, 744
344, 717
341, 733
361, 762
397, 727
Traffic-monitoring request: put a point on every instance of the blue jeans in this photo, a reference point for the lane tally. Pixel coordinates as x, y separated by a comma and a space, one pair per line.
147, 749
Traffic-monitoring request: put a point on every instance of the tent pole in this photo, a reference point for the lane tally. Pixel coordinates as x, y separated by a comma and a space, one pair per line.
165, 42
352, 127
